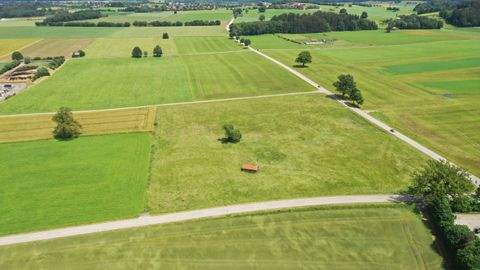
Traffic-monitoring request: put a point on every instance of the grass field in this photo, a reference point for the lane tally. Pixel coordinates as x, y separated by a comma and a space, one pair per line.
412, 86
37, 127
362, 237
51, 183
121, 82
313, 148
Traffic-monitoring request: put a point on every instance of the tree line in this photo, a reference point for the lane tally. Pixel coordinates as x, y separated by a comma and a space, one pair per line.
65, 16
460, 14
304, 23
465, 14
23, 10
413, 22
128, 24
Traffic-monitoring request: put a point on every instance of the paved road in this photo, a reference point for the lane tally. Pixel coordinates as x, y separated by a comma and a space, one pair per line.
365, 115
471, 220
196, 214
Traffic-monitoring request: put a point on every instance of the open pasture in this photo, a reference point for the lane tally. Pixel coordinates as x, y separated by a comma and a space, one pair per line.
122, 47
40, 126
347, 237
123, 82
254, 14
445, 121
305, 145
50, 183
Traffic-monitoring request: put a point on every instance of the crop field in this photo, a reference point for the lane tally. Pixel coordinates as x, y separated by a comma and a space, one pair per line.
55, 47
54, 183
123, 82
313, 148
7, 46
40, 126
182, 16
393, 79
361, 237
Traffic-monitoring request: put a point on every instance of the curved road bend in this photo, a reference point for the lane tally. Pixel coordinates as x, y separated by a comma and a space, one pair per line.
197, 214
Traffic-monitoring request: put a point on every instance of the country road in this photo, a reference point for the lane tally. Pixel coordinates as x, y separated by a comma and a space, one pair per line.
143, 221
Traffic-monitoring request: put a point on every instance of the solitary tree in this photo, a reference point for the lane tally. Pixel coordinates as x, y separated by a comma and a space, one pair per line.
440, 178
157, 51
304, 58
165, 36
67, 127
364, 15
137, 52
247, 42
27, 60
145, 54
262, 9
261, 17
345, 84
17, 56
343, 11
232, 134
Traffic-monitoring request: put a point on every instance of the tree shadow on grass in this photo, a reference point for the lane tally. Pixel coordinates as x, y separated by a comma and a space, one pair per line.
299, 66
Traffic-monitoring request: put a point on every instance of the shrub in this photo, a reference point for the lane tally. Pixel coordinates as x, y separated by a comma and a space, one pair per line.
145, 54
78, 53
157, 51
137, 52
67, 127
56, 62
462, 204
27, 60
165, 36
17, 56
232, 135
41, 72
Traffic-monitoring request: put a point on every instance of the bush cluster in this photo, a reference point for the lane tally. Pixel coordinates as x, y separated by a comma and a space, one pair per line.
303, 23
232, 135
9, 66
88, 24
41, 72
56, 62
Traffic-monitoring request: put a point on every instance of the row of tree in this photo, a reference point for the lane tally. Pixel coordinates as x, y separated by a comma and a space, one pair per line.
65, 16
23, 10
413, 22
445, 188
304, 23
138, 53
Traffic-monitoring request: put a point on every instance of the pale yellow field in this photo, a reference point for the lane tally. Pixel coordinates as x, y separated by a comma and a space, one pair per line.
56, 47
40, 126
7, 46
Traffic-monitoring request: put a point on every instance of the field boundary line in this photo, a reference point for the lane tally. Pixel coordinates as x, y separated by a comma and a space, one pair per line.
171, 104
147, 220
379, 124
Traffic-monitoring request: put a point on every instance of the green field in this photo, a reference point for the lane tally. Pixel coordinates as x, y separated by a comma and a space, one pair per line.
362, 237
407, 84
121, 82
313, 148
49, 183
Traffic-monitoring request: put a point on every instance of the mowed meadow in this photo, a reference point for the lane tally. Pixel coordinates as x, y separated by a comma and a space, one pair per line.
191, 68
423, 82
348, 237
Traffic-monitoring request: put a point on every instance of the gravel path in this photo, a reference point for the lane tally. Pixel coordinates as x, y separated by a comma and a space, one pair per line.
471, 220
197, 214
